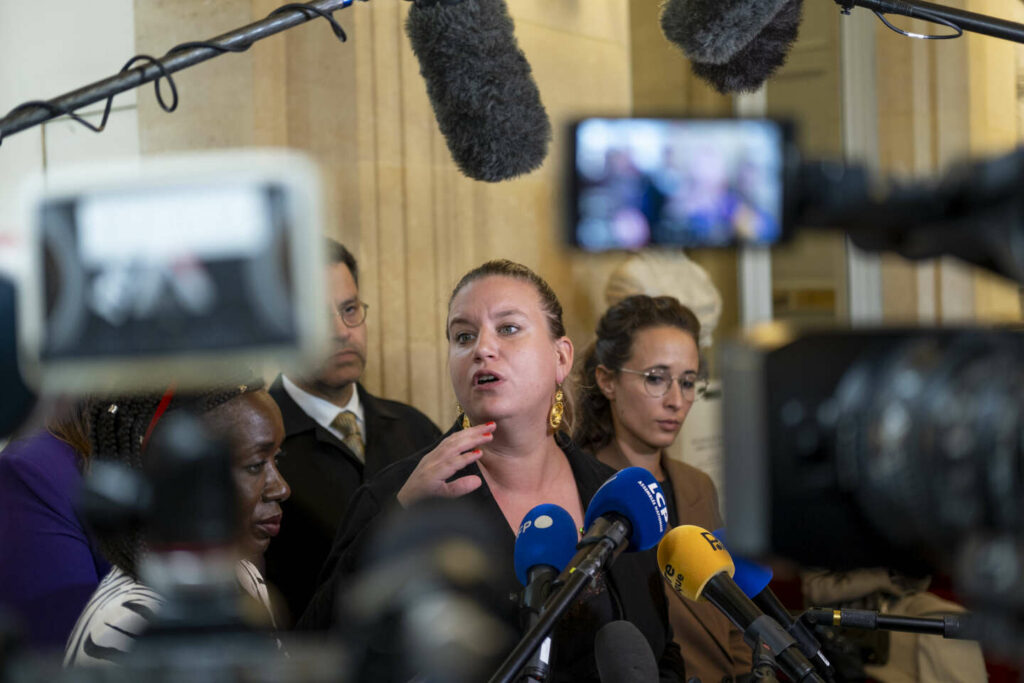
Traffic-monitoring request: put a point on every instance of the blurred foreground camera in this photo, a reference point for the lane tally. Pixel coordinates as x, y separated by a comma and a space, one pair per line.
905, 444
890, 448
177, 269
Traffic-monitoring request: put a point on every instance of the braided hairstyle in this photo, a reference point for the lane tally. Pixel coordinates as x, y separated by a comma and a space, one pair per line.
613, 348
117, 429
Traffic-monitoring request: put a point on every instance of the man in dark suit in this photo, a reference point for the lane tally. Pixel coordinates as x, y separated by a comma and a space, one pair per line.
337, 435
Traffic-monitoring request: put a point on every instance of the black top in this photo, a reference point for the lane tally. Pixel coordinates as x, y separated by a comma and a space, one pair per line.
323, 475
670, 500
632, 588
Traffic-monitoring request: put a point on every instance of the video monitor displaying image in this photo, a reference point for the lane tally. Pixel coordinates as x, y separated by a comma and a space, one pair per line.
650, 182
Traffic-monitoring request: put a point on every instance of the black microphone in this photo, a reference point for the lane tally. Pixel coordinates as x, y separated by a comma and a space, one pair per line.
808, 644
427, 601
696, 564
480, 87
755, 59
760, 58
960, 626
714, 31
753, 580
623, 655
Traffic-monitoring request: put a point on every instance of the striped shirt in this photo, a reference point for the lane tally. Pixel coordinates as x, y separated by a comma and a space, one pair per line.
118, 612
121, 609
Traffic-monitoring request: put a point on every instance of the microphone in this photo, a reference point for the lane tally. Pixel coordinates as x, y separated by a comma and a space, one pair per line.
696, 564
714, 31
623, 655
954, 626
544, 546
628, 512
755, 60
426, 600
480, 87
630, 496
546, 540
753, 579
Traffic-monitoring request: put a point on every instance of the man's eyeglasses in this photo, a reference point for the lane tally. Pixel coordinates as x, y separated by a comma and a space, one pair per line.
657, 382
353, 314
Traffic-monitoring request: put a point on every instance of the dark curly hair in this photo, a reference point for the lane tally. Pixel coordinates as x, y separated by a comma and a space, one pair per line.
613, 348
117, 429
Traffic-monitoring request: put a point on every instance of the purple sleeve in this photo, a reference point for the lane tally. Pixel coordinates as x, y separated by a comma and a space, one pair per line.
48, 566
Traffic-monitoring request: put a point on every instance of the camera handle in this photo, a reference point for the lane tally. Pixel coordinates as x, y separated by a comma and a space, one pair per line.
974, 212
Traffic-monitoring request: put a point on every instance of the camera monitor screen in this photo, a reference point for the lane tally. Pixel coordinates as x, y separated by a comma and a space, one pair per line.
182, 269
168, 269
651, 182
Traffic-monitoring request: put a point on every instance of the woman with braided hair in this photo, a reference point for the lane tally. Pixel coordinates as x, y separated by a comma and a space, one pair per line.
248, 420
636, 387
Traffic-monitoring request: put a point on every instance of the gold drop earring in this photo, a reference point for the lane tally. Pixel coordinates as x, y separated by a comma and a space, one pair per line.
557, 409
465, 418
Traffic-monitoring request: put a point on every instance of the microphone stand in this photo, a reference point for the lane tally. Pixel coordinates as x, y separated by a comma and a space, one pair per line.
535, 594
765, 665
34, 113
954, 18
609, 538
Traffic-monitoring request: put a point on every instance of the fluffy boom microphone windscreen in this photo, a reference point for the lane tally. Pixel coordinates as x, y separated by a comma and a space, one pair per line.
480, 87
714, 31
749, 59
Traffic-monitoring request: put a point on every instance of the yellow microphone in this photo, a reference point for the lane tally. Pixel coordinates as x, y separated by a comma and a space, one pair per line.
697, 565
689, 556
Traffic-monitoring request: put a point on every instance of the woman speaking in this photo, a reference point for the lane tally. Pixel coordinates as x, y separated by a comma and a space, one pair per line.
509, 359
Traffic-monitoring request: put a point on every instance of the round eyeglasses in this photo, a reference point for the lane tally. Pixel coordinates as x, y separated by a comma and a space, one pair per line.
657, 382
353, 313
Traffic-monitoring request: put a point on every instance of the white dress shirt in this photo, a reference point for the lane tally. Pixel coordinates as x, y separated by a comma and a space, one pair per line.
323, 411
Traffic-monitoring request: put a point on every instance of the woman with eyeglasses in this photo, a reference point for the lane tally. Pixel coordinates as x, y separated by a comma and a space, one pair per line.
637, 384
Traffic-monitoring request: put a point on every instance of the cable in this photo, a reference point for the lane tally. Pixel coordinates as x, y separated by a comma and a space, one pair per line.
927, 16
219, 47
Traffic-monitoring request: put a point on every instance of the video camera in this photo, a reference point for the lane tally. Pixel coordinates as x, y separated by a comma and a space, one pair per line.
131, 276
901, 448
185, 271
637, 183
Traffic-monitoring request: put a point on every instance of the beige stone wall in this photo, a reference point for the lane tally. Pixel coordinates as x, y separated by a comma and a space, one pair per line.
361, 109
809, 280
939, 102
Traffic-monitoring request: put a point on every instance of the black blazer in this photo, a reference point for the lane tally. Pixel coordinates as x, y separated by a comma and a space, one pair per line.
634, 585
324, 474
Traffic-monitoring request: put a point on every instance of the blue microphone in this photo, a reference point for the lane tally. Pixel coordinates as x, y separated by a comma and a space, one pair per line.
628, 510
545, 544
753, 580
751, 577
547, 538
634, 497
